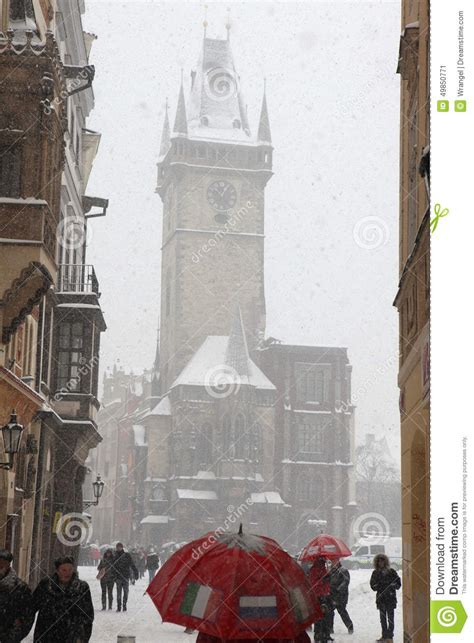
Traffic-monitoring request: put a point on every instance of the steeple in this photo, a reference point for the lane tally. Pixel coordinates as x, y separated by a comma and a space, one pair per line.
264, 135
180, 121
237, 355
165, 134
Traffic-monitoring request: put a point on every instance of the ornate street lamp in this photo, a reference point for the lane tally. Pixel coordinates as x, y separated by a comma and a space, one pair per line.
11, 440
98, 488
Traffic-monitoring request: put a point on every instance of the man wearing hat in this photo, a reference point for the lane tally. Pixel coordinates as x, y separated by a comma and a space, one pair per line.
16, 605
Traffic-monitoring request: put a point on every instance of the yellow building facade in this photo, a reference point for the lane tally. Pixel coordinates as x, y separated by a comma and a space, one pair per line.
412, 301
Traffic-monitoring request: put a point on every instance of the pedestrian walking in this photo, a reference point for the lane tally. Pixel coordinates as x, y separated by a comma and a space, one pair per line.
64, 606
141, 563
124, 571
152, 564
385, 581
106, 575
16, 603
339, 580
320, 584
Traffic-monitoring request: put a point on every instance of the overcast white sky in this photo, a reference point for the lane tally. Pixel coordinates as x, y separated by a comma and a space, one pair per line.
333, 98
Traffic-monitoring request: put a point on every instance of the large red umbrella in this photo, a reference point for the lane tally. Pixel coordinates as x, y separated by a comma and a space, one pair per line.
326, 546
235, 586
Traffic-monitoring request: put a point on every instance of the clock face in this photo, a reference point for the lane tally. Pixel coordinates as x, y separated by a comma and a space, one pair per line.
221, 195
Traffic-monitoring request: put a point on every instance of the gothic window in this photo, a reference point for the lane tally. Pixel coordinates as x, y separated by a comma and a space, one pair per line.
310, 438
71, 338
256, 443
204, 121
228, 434
312, 383
240, 437
205, 451
236, 123
201, 152
10, 171
158, 493
310, 489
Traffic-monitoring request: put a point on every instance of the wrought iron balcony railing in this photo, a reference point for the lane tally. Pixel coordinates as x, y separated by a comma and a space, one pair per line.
78, 278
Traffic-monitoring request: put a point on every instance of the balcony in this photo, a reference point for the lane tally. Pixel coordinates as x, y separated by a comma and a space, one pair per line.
77, 278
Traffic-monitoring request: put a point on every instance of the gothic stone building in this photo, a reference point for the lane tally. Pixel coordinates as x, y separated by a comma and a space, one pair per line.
246, 429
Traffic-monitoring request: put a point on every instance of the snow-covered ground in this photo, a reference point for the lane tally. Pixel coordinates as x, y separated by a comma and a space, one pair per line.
144, 623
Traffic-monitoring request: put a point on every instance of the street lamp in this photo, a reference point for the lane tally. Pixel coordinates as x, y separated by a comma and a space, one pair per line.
11, 440
98, 488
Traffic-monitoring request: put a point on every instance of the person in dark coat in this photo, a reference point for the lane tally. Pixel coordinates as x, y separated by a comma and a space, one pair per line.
64, 606
339, 579
318, 578
124, 571
107, 578
152, 564
385, 581
16, 603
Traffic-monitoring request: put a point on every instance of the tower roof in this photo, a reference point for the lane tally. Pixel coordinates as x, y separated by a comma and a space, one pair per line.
237, 354
180, 121
165, 134
216, 106
264, 134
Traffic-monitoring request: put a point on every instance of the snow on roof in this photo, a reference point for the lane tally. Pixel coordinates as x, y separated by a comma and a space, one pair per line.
210, 358
155, 520
162, 408
270, 497
196, 494
139, 435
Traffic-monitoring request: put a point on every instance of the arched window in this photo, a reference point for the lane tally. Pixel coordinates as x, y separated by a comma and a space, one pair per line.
204, 120
205, 448
236, 123
227, 435
256, 443
240, 437
158, 492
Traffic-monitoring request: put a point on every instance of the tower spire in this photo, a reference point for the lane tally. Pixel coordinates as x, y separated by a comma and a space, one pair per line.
165, 134
181, 121
264, 134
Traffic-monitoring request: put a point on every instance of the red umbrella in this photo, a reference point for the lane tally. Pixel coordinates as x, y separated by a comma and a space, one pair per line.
326, 546
235, 586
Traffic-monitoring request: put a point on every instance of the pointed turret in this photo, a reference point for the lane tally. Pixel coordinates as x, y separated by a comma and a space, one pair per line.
165, 134
264, 134
237, 355
180, 121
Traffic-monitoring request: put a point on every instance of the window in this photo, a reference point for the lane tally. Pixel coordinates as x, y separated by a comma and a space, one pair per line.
70, 355
310, 438
240, 437
204, 121
205, 448
236, 123
158, 493
310, 489
313, 382
256, 443
10, 171
228, 436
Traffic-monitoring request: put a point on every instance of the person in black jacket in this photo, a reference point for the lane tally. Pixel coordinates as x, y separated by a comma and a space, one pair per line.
152, 563
107, 578
385, 581
339, 579
124, 571
64, 606
16, 604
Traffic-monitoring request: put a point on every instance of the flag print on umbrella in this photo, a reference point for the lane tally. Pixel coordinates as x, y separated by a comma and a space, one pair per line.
235, 586
200, 601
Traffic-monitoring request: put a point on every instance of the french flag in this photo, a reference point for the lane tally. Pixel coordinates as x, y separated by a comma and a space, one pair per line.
258, 607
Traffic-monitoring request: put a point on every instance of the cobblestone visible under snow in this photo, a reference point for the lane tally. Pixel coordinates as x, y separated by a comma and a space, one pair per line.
143, 621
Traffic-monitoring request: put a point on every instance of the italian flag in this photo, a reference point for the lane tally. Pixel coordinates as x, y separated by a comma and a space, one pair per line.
299, 604
200, 601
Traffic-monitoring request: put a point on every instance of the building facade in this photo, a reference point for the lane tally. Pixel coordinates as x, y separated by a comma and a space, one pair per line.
235, 428
413, 303
50, 313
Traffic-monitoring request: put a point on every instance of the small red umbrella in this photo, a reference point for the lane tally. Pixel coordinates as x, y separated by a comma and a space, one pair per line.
326, 546
235, 586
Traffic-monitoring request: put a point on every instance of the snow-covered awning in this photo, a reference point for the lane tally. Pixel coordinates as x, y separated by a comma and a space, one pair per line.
155, 520
270, 497
196, 494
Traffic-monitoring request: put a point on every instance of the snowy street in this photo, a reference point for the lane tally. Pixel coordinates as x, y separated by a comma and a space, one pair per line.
143, 621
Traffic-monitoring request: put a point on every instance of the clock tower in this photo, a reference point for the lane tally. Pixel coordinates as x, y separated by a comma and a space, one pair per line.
212, 173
